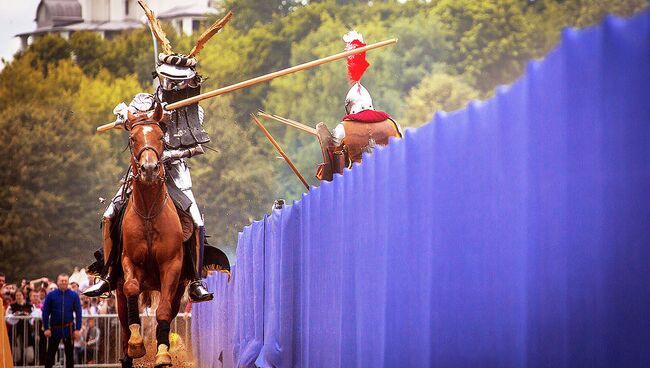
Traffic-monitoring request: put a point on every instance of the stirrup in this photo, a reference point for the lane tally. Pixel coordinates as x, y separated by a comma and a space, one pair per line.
199, 283
104, 295
203, 295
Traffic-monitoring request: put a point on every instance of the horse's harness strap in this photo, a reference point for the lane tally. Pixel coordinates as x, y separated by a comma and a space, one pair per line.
154, 215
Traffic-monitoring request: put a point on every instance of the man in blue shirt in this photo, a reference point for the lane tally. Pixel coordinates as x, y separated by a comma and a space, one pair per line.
59, 322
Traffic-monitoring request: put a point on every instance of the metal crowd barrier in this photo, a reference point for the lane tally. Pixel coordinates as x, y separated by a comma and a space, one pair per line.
28, 343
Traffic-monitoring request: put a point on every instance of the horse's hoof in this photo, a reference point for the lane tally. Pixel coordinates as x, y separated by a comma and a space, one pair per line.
127, 362
163, 358
136, 347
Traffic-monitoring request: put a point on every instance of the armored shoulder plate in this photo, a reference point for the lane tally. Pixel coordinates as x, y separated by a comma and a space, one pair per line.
184, 129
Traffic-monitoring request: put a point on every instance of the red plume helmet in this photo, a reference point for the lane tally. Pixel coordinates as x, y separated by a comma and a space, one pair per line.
358, 99
357, 64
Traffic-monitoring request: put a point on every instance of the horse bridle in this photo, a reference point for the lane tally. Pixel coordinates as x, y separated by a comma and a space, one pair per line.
136, 175
146, 147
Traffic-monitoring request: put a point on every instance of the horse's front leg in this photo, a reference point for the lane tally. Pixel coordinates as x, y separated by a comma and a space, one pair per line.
135, 347
169, 282
127, 362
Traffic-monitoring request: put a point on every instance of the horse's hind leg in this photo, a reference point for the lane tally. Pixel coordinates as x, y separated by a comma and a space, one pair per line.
135, 347
169, 280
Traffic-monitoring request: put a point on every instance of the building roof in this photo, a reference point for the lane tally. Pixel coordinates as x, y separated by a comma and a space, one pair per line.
66, 16
60, 12
111, 25
192, 10
86, 26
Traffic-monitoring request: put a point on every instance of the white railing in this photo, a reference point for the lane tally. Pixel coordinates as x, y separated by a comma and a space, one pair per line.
28, 342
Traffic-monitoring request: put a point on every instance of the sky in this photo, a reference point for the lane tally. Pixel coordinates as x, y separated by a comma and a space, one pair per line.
15, 18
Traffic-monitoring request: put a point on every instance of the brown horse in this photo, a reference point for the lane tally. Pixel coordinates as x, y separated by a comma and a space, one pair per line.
152, 239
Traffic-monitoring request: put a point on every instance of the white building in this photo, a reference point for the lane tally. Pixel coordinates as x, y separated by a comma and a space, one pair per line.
108, 17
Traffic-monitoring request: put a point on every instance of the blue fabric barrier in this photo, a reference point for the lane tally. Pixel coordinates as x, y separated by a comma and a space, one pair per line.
513, 233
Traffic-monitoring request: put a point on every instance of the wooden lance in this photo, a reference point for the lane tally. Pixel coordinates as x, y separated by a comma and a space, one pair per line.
264, 78
289, 122
109, 126
279, 149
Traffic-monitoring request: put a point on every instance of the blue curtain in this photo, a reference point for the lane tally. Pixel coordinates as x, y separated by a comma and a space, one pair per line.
513, 233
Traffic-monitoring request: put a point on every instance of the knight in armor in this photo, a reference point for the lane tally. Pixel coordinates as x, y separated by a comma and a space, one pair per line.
184, 136
362, 128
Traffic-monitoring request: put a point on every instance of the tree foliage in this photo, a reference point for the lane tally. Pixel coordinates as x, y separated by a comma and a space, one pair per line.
88, 51
437, 92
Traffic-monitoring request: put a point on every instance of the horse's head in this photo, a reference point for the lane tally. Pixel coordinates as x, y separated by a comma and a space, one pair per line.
147, 145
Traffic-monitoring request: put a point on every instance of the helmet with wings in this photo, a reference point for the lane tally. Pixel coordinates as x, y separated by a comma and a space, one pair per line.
176, 71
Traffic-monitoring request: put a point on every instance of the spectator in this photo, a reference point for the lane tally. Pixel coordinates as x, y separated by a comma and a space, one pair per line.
94, 305
35, 299
11, 288
87, 309
78, 343
42, 293
89, 343
74, 286
93, 334
6, 301
21, 329
24, 286
59, 321
38, 336
8, 291
38, 284
21, 307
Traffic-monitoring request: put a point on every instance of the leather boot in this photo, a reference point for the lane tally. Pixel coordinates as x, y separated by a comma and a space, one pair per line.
197, 290
102, 286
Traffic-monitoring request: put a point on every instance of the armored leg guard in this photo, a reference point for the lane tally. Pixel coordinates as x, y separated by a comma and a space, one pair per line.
102, 285
197, 291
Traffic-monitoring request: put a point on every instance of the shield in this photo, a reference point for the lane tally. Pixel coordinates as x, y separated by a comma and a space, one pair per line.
184, 129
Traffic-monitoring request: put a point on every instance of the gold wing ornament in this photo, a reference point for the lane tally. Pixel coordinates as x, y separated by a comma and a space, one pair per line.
205, 37
156, 28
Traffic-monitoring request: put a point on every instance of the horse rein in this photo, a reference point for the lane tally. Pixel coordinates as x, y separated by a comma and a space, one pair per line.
136, 175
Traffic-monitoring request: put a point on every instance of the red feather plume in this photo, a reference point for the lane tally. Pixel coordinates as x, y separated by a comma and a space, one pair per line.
357, 64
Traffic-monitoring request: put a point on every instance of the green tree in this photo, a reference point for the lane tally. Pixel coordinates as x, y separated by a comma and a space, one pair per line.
437, 92
250, 12
44, 197
49, 49
490, 39
548, 17
89, 51
583, 13
49, 206
132, 53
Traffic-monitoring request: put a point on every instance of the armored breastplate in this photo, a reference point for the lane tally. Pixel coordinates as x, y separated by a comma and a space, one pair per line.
362, 136
185, 129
